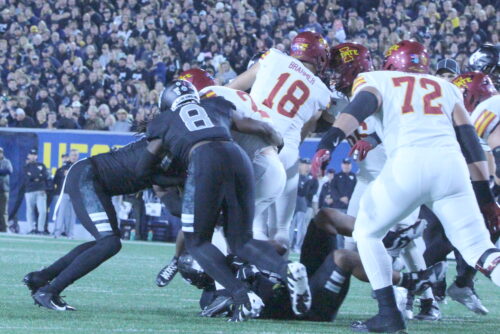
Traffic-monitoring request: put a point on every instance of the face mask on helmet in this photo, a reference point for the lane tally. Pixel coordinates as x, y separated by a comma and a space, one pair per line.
193, 273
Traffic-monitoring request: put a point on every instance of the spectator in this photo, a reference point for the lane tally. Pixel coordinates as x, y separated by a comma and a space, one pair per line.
65, 214
66, 121
5, 171
122, 123
36, 178
343, 186
22, 120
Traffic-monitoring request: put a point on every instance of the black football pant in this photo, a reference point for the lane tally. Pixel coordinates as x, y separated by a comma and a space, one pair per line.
95, 211
438, 247
220, 178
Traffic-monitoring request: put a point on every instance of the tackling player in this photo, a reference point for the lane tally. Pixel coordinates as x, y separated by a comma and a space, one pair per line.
289, 90
90, 184
420, 125
220, 177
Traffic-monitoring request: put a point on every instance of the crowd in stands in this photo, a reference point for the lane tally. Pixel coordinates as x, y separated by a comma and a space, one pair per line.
100, 65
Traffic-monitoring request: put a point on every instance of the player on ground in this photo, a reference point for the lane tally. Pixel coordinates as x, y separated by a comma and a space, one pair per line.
90, 184
269, 174
329, 271
420, 125
220, 177
289, 90
348, 60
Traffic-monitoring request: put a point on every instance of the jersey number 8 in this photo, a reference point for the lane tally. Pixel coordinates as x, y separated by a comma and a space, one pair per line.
289, 97
195, 117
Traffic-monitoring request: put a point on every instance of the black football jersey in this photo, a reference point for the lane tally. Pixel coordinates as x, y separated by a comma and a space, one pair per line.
181, 129
117, 169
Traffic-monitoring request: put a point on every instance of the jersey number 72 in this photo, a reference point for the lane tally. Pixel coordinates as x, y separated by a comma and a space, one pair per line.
425, 83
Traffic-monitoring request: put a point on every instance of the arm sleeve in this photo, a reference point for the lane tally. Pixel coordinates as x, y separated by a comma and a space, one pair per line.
469, 143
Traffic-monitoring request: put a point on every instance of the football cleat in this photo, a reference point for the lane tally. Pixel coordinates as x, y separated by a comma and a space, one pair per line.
381, 324
429, 310
33, 282
167, 274
423, 279
51, 301
249, 307
408, 312
221, 306
298, 288
467, 297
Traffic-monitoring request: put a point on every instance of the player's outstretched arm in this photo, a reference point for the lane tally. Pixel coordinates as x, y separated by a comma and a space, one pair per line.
478, 168
245, 80
255, 127
494, 143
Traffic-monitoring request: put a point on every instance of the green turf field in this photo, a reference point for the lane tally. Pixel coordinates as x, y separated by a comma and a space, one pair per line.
121, 297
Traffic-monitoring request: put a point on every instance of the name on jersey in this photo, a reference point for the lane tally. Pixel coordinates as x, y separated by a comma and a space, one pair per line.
297, 68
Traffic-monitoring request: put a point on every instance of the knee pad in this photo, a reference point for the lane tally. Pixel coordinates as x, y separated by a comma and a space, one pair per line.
112, 244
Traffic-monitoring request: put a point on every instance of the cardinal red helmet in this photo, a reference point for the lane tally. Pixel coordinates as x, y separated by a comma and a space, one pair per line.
347, 60
407, 56
310, 47
476, 87
198, 77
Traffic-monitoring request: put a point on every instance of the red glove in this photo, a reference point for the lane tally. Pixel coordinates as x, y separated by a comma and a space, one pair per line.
491, 214
360, 150
319, 162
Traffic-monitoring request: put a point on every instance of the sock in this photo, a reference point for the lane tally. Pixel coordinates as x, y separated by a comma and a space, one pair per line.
85, 262
386, 300
57, 267
465, 273
493, 263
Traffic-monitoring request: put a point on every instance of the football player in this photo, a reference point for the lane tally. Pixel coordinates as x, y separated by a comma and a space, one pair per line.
269, 174
486, 59
290, 91
423, 123
220, 177
329, 271
348, 60
90, 184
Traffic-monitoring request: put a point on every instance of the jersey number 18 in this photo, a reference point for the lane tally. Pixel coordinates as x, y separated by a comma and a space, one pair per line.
289, 97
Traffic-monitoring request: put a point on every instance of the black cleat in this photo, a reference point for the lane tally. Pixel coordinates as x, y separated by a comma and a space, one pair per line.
429, 310
167, 274
381, 324
220, 307
424, 279
33, 282
51, 301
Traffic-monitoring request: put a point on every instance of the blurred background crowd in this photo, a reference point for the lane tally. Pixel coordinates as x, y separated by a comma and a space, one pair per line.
100, 65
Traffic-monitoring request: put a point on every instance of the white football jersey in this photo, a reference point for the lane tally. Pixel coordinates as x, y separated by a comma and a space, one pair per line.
246, 105
290, 93
486, 117
416, 109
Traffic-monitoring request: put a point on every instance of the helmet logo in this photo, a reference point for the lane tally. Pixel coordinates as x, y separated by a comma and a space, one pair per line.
391, 49
348, 54
186, 76
300, 46
415, 58
462, 82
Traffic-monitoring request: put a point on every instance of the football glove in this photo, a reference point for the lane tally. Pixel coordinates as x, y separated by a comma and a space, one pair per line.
319, 162
491, 214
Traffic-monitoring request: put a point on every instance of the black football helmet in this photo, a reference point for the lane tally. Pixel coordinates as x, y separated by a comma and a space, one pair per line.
255, 58
193, 273
176, 94
486, 59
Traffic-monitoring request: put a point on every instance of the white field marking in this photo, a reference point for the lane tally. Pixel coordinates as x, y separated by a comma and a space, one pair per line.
51, 240
136, 330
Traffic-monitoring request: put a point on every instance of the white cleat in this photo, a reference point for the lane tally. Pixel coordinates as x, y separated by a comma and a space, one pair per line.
298, 287
247, 310
468, 298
